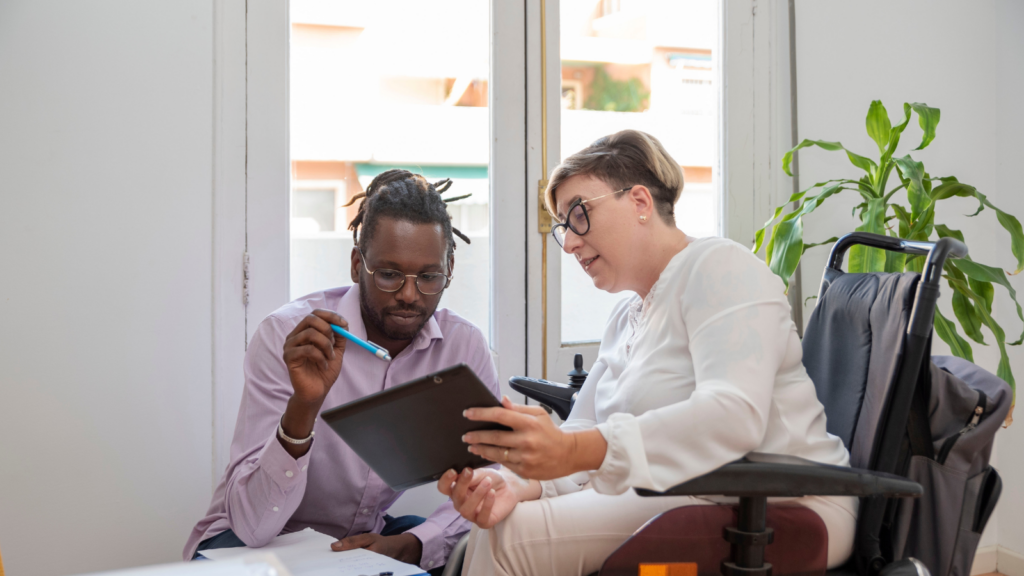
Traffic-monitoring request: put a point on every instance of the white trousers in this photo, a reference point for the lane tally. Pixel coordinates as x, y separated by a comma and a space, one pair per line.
573, 534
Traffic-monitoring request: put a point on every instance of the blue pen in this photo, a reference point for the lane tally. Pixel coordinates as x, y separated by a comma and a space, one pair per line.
370, 347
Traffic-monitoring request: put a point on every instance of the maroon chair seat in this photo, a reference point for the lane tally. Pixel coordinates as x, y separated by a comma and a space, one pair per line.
694, 534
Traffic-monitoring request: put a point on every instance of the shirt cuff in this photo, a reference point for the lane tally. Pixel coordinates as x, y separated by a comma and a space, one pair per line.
625, 461
285, 471
432, 538
565, 485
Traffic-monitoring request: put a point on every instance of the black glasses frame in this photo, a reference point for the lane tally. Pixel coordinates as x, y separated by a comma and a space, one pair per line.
586, 216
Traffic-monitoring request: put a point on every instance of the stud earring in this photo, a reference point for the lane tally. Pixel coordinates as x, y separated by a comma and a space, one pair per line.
643, 218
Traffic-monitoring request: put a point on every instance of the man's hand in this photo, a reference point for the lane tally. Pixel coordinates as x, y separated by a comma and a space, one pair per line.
313, 356
402, 547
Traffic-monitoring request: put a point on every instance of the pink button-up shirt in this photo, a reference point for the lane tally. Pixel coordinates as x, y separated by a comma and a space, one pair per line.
265, 491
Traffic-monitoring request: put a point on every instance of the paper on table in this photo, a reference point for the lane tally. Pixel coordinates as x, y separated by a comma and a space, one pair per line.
308, 553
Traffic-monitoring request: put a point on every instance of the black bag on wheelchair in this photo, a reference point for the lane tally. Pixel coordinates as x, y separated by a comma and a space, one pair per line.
966, 407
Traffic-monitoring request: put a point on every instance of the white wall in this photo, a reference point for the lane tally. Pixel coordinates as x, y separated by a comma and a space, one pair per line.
1009, 149
105, 281
963, 58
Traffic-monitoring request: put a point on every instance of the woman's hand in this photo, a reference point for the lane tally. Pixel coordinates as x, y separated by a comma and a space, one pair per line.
481, 496
536, 448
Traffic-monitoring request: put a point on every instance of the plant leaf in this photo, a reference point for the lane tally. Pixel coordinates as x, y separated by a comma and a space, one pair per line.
949, 189
894, 134
913, 173
947, 331
816, 244
759, 235
1003, 370
1010, 223
928, 118
862, 258
963, 308
983, 273
985, 290
865, 164
878, 125
788, 247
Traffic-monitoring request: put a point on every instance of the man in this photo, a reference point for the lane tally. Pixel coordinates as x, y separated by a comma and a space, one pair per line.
281, 479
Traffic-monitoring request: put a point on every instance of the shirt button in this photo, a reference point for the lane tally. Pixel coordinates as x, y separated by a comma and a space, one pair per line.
289, 473
275, 508
304, 467
365, 510
430, 564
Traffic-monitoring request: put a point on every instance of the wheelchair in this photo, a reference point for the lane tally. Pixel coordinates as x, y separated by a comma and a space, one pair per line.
868, 408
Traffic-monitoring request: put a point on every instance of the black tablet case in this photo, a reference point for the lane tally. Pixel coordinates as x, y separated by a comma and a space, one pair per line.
412, 433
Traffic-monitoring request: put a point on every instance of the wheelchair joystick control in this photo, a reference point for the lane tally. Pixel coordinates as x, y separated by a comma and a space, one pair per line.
577, 376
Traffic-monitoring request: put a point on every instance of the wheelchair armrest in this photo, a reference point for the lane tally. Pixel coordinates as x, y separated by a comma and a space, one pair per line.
559, 397
777, 475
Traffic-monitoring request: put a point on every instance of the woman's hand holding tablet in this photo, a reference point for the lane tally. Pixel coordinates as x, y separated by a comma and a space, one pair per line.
536, 448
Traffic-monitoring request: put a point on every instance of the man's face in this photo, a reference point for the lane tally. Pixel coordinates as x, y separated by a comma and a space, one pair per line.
410, 249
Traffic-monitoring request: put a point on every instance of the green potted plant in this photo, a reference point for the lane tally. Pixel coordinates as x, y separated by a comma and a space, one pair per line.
899, 198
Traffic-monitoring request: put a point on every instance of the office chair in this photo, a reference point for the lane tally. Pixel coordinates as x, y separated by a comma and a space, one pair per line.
865, 354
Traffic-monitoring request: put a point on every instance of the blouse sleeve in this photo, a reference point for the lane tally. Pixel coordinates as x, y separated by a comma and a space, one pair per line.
582, 417
737, 320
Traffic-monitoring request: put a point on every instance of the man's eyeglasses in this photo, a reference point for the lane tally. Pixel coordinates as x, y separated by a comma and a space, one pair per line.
578, 220
428, 283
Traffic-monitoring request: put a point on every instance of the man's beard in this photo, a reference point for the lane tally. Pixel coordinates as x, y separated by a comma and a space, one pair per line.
377, 317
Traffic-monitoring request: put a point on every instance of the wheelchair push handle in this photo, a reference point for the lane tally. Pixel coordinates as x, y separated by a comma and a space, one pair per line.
937, 251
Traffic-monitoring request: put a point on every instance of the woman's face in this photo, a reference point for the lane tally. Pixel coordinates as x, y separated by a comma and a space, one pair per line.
604, 252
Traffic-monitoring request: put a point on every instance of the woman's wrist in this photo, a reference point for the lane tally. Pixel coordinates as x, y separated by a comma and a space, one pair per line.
524, 490
588, 450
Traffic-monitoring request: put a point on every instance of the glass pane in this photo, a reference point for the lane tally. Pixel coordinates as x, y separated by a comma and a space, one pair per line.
371, 92
646, 65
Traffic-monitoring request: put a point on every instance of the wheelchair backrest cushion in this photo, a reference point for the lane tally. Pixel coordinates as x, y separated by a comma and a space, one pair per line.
852, 350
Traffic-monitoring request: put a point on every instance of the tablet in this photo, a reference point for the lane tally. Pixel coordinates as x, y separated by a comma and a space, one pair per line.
412, 434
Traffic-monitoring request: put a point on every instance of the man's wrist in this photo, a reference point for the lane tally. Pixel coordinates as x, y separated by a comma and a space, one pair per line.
299, 418
411, 548
297, 422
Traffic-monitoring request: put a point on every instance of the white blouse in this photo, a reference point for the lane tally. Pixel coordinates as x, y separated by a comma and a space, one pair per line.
704, 370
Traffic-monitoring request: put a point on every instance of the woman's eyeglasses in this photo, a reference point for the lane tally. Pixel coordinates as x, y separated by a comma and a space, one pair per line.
428, 283
578, 220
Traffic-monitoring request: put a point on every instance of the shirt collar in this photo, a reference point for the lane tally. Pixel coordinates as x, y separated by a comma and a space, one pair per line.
349, 308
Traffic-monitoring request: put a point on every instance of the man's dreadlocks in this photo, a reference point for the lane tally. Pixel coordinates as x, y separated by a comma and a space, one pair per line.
402, 195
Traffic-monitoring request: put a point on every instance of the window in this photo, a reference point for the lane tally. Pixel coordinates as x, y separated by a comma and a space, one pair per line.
371, 92
647, 65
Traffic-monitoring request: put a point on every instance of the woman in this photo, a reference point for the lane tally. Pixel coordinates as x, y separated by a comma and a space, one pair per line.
700, 367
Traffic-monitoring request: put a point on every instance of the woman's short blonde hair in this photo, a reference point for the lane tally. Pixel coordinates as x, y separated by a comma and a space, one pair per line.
626, 158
